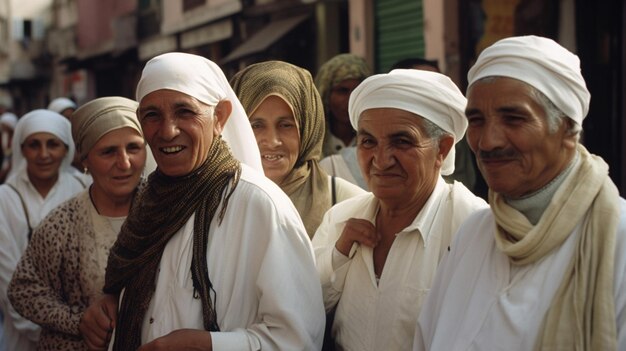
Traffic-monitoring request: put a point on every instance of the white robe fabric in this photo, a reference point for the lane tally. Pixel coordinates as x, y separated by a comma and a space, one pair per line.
371, 316
21, 334
479, 301
260, 261
345, 165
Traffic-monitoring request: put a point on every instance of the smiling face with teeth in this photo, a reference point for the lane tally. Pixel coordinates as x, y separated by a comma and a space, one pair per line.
277, 135
180, 129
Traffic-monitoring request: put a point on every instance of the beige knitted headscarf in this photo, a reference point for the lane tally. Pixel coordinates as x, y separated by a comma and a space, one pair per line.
100, 116
306, 184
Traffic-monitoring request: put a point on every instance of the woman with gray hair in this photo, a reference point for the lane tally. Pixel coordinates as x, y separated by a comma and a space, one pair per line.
63, 267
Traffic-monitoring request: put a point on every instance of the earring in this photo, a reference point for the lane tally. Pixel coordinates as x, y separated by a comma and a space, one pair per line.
85, 171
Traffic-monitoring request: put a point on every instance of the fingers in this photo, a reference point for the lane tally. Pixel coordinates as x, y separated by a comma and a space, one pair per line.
97, 323
357, 230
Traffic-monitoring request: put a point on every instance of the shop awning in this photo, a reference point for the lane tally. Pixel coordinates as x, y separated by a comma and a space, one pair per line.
264, 38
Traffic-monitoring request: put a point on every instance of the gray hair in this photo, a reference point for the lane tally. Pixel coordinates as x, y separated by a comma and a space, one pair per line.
434, 131
554, 116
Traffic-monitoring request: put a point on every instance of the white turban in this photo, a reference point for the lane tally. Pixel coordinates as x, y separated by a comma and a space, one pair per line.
430, 95
541, 63
41, 121
202, 79
61, 104
8, 119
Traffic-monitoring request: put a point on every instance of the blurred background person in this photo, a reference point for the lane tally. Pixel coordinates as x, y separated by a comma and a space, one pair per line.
62, 106
287, 119
335, 81
8, 121
66, 107
417, 63
62, 269
40, 179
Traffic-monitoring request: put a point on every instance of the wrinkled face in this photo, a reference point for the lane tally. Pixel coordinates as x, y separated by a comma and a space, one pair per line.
278, 138
397, 158
339, 98
44, 153
116, 162
509, 134
179, 129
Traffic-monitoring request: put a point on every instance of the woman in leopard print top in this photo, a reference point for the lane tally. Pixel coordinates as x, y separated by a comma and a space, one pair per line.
62, 269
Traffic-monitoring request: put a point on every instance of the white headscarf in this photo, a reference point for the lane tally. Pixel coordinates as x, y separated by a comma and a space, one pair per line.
202, 79
542, 63
41, 121
61, 104
8, 119
430, 95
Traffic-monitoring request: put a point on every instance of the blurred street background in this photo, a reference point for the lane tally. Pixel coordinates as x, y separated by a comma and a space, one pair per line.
83, 49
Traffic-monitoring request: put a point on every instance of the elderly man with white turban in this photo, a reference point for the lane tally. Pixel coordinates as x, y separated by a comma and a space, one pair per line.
545, 267
377, 253
214, 255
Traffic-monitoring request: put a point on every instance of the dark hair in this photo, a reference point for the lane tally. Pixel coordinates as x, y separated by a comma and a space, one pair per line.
411, 62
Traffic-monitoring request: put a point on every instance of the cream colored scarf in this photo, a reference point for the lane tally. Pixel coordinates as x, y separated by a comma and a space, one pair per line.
582, 314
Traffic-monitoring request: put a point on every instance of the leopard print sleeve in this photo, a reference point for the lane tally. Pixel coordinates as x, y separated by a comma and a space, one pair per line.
45, 287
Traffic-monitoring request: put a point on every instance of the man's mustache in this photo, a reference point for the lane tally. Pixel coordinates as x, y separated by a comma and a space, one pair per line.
497, 154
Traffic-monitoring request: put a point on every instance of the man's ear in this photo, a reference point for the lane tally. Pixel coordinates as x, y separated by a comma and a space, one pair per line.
222, 113
446, 143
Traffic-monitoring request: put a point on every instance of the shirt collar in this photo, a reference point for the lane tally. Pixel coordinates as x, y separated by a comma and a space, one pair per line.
422, 223
424, 220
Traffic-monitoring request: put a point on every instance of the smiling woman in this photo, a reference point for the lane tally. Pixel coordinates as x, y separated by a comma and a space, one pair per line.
39, 181
287, 117
63, 268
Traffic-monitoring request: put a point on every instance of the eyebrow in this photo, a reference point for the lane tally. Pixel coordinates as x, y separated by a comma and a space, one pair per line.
503, 109
399, 134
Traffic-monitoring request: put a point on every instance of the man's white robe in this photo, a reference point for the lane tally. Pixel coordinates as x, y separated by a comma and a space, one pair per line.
261, 264
382, 316
480, 301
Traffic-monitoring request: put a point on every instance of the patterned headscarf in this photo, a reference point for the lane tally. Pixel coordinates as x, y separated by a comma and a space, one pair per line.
333, 72
307, 183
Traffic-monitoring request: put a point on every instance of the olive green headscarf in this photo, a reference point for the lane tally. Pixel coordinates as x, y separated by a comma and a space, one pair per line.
333, 72
307, 183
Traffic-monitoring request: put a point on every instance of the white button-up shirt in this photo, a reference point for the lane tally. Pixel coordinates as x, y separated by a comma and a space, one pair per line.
382, 316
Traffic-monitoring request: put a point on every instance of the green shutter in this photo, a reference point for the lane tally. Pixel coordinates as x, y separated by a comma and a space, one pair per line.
399, 31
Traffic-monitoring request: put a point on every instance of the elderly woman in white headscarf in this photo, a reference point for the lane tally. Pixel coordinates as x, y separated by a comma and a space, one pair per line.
39, 181
377, 253
214, 255
62, 270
